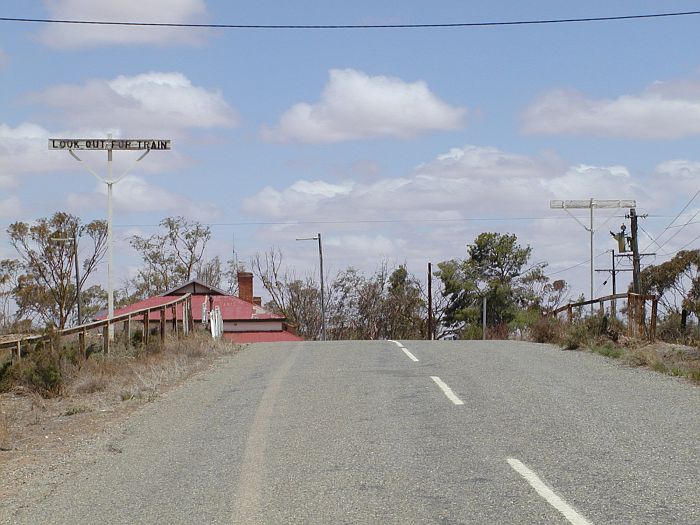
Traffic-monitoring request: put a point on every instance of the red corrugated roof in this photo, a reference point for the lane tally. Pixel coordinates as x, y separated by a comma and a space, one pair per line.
261, 337
232, 308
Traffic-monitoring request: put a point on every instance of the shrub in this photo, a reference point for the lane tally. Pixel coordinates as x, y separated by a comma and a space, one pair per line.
608, 350
575, 336
546, 330
43, 372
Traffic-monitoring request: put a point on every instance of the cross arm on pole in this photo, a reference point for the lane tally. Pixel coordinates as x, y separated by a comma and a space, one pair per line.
125, 173
577, 220
86, 166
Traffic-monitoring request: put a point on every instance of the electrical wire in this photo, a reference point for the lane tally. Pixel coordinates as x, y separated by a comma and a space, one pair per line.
576, 265
653, 241
679, 230
356, 221
685, 246
356, 26
670, 224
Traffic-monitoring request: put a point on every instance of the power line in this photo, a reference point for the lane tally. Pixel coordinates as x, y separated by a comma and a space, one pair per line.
355, 26
356, 221
576, 265
686, 245
679, 230
674, 220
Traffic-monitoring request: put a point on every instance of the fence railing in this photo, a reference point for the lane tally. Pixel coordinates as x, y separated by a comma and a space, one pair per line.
181, 326
636, 312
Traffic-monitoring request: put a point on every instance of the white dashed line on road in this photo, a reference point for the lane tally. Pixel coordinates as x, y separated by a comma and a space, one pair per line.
548, 494
447, 391
405, 351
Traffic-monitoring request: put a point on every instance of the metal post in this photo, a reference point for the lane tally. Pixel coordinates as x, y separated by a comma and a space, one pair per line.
323, 298
592, 261
613, 305
77, 278
483, 320
323, 294
430, 302
110, 245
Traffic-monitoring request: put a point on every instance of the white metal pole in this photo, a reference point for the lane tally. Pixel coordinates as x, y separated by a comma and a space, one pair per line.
592, 266
110, 246
483, 320
323, 298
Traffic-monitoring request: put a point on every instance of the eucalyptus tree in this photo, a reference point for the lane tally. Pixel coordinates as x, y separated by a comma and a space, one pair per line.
45, 288
170, 258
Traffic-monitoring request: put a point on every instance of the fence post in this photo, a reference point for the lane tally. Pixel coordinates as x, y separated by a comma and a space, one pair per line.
570, 313
630, 316
18, 349
105, 339
162, 326
146, 330
128, 329
81, 344
185, 321
190, 317
652, 327
173, 309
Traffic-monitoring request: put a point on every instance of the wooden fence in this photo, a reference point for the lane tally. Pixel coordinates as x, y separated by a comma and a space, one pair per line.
181, 326
636, 312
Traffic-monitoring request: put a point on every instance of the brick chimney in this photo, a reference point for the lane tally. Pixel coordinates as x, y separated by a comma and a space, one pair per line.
245, 286
257, 301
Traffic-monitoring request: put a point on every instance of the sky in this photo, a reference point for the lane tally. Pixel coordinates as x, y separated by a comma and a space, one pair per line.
397, 145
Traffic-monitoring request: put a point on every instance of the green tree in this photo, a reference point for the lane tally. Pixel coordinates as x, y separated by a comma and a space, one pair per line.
45, 289
676, 283
405, 307
10, 270
169, 258
494, 268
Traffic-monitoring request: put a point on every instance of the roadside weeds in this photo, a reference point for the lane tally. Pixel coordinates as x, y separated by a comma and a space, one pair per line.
36, 425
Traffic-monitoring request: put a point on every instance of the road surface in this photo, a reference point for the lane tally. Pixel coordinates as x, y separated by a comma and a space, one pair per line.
394, 432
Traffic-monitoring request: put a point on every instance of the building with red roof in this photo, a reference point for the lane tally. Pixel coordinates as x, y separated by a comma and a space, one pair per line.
244, 319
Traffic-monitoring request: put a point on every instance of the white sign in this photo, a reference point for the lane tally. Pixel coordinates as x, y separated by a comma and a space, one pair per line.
107, 144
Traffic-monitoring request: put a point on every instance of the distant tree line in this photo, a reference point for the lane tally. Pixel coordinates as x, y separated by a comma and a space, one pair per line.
38, 287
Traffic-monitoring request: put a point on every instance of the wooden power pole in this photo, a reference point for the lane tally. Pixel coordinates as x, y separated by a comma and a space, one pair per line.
635, 252
430, 302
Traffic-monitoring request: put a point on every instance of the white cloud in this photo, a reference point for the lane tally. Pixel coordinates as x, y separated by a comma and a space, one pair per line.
665, 110
70, 36
356, 106
377, 244
23, 149
674, 179
10, 207
443, 204
135, 194
152, 102
465, 182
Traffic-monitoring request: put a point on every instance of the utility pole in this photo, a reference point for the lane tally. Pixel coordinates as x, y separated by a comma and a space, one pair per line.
430, 302
635, 252
589, 204
320, 265
74, 240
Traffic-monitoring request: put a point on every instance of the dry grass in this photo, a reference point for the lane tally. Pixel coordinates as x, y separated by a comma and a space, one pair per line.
97, 388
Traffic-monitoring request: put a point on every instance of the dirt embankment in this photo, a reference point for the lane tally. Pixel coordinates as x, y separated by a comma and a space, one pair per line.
38, 430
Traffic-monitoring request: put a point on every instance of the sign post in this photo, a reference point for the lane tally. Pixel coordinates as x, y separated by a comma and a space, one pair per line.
590, 204
109, 144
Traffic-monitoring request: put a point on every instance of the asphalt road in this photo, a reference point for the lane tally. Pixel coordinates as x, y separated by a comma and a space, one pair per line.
378, 432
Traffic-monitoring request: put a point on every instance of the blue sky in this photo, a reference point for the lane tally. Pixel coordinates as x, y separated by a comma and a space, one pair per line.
430, 128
